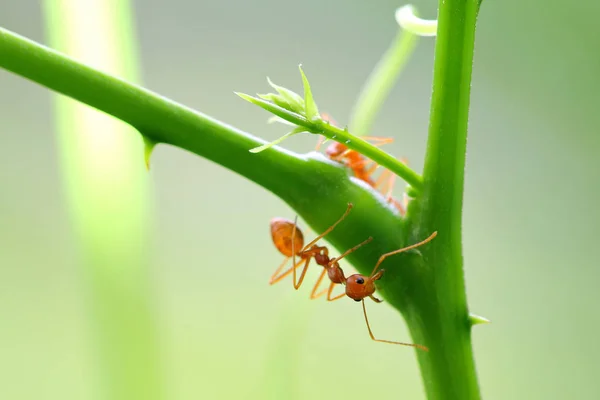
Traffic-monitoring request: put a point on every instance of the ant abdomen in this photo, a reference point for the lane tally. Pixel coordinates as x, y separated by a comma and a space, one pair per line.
281, 233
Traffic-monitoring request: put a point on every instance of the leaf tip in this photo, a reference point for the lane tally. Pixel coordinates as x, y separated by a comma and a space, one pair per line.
245, 96
311, 108
258, 149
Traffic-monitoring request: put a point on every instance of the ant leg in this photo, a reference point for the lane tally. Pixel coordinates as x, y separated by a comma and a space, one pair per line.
381, 179
390, 186
378, 139
386, 255
375, 299
399, 207
297, 285
371, 169
390, 199
383, 142
330, 290
274, 278
343, 154
286, 273
328, 118
418, 346
331, 227
314, 294
320, 142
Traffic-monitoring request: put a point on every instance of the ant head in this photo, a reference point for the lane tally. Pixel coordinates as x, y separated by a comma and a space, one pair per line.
359, 286
281, 233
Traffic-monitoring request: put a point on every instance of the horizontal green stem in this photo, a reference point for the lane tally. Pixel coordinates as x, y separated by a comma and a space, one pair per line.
288, 175
160, 119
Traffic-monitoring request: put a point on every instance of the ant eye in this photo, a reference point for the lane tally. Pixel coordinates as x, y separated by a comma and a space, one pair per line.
360, 281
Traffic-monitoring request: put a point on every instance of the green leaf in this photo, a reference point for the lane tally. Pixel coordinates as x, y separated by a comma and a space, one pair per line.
312, 111
293, 99
293, 117
258, 149
278, 100
280, 120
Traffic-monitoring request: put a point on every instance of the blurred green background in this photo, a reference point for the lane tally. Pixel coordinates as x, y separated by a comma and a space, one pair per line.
531, 215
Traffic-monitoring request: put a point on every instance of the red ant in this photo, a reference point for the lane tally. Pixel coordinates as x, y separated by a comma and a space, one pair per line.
358, 286
289, 240
362, 168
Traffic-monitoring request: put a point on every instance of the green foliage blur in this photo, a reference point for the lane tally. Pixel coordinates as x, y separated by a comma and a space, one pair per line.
530, 220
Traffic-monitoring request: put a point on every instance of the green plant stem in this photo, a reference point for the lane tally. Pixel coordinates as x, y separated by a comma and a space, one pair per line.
288, 175
380, 82
111, 217
373, 153
158, 118
423, 288
440, 317
332, 132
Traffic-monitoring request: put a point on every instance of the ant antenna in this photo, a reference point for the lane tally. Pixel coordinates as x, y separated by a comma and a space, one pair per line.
386, 255
418, 346
352, 250
331, 227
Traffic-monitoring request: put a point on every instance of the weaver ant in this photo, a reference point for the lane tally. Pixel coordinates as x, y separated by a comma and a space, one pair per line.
362, 167
358, 286
289, 240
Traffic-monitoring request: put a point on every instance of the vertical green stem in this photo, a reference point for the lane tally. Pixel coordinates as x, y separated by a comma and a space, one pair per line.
380, 82
106, 188
439, 317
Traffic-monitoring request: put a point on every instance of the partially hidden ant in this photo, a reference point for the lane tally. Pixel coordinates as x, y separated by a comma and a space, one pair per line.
363, 168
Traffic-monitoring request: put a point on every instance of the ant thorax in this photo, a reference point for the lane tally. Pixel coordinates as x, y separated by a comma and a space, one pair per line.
322, 258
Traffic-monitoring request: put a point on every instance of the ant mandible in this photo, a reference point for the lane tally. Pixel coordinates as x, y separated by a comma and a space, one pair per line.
359, 287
